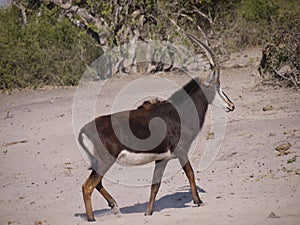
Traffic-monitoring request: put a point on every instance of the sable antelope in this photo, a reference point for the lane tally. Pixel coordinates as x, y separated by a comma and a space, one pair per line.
103, 147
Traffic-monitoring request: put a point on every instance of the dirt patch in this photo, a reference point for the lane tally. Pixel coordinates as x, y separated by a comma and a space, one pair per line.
42, 169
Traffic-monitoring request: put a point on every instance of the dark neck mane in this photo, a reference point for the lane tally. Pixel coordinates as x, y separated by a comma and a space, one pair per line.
191, 85
183, 98
187, 88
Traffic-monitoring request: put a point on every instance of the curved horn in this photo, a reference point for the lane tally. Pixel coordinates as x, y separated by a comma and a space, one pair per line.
208, 51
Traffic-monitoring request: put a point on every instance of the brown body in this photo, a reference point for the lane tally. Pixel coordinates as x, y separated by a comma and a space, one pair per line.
183, 114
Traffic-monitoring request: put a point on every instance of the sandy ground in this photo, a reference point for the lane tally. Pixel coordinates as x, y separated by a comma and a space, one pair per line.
42, 170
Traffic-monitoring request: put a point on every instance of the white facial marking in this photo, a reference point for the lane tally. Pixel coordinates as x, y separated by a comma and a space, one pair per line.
220, 100
128, 158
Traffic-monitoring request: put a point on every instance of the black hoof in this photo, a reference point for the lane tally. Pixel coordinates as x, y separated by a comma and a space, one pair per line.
198, 202
111, 205
148, 213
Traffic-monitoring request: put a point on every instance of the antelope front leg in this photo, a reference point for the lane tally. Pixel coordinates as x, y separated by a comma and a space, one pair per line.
186, 165
157, 176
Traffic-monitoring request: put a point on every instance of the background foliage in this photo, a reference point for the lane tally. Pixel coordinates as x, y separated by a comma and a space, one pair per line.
48, 51
56, 40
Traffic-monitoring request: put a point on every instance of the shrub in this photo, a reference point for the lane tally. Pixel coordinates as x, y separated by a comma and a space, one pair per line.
48, 51
255, 22
280, 63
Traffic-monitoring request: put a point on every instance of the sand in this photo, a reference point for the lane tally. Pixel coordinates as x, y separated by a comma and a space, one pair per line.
249, 182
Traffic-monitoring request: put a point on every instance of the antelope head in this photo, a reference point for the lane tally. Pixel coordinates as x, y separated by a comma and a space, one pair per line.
210, 82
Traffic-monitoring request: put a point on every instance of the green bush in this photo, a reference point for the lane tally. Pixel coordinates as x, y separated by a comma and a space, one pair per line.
48, 51
257, 21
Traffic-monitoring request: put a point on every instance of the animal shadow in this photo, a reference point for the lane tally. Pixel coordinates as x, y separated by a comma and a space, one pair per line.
181, 199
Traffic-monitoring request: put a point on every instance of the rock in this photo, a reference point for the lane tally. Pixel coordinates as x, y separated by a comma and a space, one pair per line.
283, 149
267, 107
271, 135
210, 135
273, 215
8, 115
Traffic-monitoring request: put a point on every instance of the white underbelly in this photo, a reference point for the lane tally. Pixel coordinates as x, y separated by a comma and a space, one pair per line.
136, 159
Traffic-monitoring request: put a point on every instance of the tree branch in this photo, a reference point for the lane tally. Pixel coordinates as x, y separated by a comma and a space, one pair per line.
23, 13
82, 17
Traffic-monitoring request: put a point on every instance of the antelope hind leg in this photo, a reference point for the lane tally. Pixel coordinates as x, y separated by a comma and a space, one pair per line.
87, 189
110, 200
